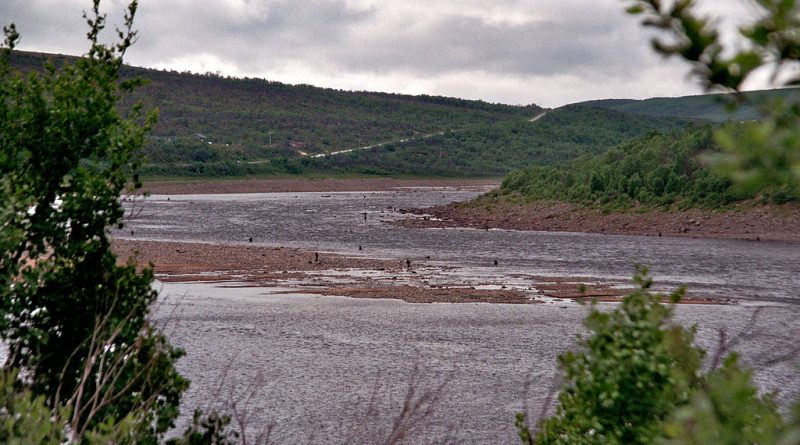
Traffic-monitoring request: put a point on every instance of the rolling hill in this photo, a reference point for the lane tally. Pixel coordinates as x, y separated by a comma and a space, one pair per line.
208, 118
495, 150
218, 126
708, 107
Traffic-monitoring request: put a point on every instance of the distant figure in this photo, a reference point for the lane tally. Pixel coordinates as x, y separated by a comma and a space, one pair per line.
408, 264
131, 232
359, 247
659, 234
251, 239
495, 262
365, 216
316, 257
758, 238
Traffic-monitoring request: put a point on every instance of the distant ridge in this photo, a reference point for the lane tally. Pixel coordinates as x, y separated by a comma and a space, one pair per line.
710, 107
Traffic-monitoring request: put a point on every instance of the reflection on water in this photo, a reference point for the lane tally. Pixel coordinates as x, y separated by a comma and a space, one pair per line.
742, 270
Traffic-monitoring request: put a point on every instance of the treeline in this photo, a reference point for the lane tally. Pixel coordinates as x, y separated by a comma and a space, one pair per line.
658, 170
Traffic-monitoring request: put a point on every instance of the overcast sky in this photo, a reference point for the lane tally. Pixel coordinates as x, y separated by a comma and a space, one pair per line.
547, 52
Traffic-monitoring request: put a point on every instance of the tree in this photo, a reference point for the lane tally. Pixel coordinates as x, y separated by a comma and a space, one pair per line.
75, 321
759, 154
637, 379
632, 370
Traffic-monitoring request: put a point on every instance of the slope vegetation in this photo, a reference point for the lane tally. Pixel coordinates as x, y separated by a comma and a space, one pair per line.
658, 170
493, 150
212, 119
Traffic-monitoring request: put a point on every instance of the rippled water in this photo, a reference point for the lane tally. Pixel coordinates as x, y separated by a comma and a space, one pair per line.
314, 363
742, 270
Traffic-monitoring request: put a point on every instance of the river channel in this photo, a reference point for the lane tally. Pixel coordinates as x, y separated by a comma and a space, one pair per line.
316, 365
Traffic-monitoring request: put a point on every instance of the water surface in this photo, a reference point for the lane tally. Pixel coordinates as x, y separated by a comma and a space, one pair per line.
316, 364
742, 270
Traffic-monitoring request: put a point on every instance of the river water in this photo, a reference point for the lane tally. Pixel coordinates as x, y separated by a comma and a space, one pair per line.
317, 364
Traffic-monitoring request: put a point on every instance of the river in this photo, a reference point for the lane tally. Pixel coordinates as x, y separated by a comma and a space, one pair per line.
315, 363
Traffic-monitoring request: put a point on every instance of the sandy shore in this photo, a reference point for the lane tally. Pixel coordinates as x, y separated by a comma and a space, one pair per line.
273, 266
331, 274
780, 223
303, 185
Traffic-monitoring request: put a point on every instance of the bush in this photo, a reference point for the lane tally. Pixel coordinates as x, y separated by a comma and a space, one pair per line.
637, 380
76, 322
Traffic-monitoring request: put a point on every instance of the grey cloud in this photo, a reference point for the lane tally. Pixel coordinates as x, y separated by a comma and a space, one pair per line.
274, 25
413, 42
328, 33
466, 43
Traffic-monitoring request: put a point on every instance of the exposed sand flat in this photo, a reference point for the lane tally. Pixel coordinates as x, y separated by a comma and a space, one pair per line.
331, 274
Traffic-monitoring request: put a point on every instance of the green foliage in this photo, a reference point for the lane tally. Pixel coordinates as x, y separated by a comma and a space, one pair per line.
207, 429
726, 409
760, 154
481, 150
705, 107
658, 170
25, 418
632, 370
637, 380
75, 321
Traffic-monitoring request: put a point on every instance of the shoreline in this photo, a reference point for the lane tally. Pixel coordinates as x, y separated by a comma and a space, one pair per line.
324, 273
282, 185
763, 223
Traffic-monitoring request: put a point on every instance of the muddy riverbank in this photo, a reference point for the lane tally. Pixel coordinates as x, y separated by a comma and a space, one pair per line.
778, 223
325, 273
300, 269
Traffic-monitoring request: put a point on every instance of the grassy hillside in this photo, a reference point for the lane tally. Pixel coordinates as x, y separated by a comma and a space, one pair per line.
658, 170
215, 126
710, 107
480, 151
493, 150
211, 119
